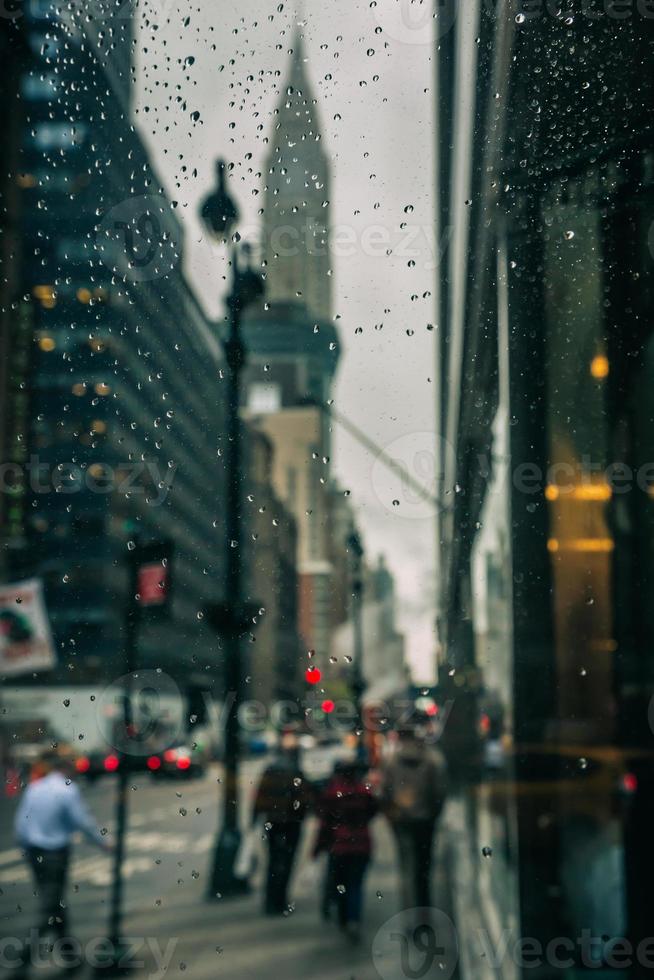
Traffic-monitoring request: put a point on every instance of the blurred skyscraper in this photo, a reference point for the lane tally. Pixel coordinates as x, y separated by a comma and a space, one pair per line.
293, 346
296, 218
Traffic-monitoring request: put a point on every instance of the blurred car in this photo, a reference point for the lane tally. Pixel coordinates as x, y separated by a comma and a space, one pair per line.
104, 762
183, 761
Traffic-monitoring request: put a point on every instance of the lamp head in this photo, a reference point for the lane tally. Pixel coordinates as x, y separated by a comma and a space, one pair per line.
219, 212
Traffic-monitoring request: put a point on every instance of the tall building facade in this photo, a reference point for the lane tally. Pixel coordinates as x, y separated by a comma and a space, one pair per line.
15, 312
546, 176
293, 346
125, 430
272, 658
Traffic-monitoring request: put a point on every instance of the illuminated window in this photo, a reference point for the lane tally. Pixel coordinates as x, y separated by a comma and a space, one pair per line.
599, 367
46, 296
101, 388
47, 343
79, 389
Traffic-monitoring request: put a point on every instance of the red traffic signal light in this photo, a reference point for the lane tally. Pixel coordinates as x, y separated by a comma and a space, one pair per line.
312, 675
328, 706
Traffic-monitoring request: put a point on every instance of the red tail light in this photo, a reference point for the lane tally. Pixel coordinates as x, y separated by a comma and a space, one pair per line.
111, 763
82, 764
183, 762
170, 755
154, 763
629, 782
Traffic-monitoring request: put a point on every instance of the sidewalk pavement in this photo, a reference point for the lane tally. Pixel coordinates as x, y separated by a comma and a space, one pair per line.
233, 939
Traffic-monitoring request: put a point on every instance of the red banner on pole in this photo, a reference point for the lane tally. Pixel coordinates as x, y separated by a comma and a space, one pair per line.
152, 584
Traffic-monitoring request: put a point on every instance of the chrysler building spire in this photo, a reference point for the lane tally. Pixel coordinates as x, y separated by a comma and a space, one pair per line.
296, 217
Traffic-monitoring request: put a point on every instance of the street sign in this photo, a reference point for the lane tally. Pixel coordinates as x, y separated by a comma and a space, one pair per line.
152, 583
25, 638
151, 564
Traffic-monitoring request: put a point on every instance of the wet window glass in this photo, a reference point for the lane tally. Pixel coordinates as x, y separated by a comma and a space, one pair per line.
326, 489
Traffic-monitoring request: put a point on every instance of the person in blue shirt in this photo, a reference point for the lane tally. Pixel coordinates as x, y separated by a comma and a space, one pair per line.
50, 812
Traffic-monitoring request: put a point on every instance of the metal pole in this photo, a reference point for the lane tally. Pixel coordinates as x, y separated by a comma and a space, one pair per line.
223, 881
129, 663
358, 680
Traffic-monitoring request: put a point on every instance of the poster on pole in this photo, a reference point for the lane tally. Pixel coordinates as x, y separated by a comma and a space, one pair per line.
25, 638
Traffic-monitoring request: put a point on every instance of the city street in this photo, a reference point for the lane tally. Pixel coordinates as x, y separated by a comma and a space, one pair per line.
172, 828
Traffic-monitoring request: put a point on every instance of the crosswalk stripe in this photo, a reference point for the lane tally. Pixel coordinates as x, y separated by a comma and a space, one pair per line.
97, 869
11, 856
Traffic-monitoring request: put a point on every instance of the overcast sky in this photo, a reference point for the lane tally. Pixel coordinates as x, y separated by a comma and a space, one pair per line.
371, 69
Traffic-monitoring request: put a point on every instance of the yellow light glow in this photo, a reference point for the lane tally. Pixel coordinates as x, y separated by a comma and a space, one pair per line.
79, 389
593, 491
46, 296
581, 544
98, 426
47, 343
583, 491
26, 180
84, 295
102, 389
604, 646
599, 366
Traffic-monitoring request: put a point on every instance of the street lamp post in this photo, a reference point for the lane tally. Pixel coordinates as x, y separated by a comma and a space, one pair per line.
219, 213
358, 682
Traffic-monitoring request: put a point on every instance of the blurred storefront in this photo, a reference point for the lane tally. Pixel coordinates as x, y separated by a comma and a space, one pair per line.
545, 378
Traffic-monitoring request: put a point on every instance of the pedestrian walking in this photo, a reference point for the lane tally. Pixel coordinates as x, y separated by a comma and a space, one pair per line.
413, 788
346, 808
50, 811
282, 800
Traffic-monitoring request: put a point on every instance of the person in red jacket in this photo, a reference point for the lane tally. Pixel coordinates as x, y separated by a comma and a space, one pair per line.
346, 808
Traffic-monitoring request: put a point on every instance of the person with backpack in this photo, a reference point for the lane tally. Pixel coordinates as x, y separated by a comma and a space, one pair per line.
413, 788
346, 808
281, 801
